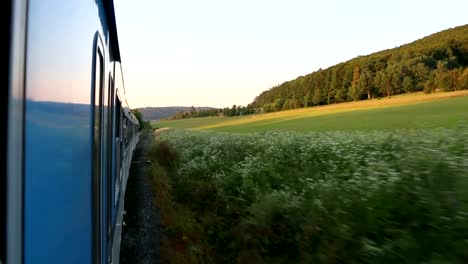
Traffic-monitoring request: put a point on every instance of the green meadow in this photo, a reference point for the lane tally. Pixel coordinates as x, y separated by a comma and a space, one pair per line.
412, 111
378, 181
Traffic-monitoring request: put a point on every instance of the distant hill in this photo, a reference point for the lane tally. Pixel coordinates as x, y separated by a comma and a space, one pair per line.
436, 62
156, 113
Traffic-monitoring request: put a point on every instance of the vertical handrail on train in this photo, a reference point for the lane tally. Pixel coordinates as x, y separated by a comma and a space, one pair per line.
15, 133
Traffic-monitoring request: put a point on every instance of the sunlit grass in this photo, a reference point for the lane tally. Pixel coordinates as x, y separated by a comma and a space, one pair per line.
416, 110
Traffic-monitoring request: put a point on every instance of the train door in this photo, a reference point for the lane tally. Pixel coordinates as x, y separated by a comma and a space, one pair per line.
108, 150
102, 157
106, 163
97, 149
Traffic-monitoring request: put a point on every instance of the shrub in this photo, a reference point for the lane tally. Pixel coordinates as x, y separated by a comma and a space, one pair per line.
332, 197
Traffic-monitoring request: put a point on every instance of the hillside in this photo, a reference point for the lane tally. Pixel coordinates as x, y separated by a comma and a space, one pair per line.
436, 62
157, 113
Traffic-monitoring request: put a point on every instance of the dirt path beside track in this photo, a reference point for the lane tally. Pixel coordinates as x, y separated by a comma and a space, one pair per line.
158, 131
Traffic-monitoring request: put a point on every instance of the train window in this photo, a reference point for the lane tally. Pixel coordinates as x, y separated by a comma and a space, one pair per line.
117, 151
121, 131
125, 130
109, 155
118, 106
118, 132
97, 111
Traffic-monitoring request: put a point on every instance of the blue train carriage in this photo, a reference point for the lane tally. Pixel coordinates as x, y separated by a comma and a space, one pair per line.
70, 134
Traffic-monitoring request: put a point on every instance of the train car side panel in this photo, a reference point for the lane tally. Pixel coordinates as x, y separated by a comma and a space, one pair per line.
58, 129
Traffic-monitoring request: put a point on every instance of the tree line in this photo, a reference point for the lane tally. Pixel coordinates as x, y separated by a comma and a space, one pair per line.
232, 111
438, 62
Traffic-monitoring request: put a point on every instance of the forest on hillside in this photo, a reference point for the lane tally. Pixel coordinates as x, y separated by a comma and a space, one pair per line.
435, 63
157, 113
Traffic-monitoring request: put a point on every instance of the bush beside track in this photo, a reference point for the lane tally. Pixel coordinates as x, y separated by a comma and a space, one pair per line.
330, 197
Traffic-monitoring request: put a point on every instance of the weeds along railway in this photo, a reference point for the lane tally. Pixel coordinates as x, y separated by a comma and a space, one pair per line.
69, 133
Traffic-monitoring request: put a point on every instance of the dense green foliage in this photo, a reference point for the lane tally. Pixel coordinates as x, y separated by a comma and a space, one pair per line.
142, 123
193, 112
436, 62
398, 196
158, 113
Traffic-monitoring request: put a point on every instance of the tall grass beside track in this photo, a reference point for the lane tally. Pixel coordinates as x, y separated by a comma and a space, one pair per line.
397, 196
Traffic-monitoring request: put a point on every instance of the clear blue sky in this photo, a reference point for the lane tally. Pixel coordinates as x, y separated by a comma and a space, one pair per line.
219, 53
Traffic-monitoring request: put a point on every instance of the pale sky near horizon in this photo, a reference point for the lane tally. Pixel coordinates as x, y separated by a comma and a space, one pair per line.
220, 53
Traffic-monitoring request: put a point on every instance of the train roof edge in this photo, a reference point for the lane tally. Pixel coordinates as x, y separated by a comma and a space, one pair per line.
114, 47
112, 25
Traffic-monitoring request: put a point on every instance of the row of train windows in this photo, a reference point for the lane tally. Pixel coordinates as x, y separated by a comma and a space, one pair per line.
108, 153
107, 138
112, 134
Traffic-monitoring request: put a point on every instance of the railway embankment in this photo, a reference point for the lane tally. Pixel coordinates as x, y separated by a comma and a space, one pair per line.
142, 232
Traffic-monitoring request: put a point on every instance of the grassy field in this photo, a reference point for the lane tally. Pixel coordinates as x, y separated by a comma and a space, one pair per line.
394, 196
416, 110
386, 183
